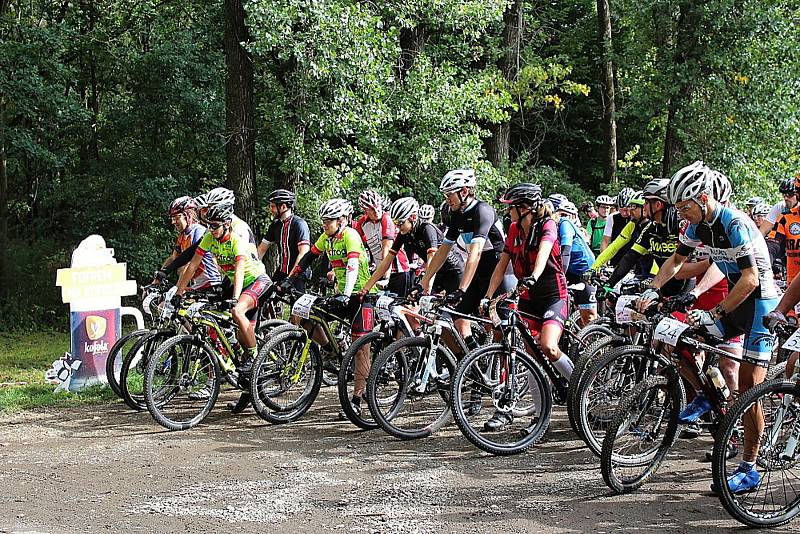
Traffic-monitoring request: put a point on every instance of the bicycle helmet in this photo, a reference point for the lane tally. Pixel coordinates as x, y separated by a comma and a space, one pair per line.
403, 208
524, 193
754, 201
218, 195
636, 199
180, 205
426, 213
370, 199
335, 208
657, 188
556, 199
787, 187
387, 203
220, 213
721, 189
623, 197
282, 196
690, 182
761, 209
568, 208
604, 200
456, 179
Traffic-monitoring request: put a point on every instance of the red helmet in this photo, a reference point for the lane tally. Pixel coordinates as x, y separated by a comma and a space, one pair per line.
180, 205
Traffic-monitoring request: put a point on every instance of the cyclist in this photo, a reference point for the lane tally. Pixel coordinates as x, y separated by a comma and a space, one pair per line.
576, 258
343, 247
292, 235
426, 213
237, 260
377, 231
182, 213
532, 248
597, 225
753, 202
737, 248
420, 238
636, 223
615, 222
475, 221
659, 237
759, 214
787, 188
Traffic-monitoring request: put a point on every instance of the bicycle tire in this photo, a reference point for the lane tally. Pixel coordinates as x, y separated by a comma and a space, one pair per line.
649, 394
377, 342
117, 354
579, 351
132, 384
193, 353
536, 382
597, 347
406, 353
770, 460
269, 377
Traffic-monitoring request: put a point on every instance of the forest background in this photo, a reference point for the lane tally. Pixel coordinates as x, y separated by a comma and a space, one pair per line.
111, 109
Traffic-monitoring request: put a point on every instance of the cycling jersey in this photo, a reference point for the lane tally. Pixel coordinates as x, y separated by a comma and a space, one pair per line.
207, 273
776, 211
478, 220
424, 239
339, 248
788, 234
227, 251
289, 234
523, 251
374, 233
596, 228
242, 229
580, 256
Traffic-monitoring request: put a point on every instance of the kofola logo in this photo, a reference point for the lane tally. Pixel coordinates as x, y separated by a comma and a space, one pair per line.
95, 329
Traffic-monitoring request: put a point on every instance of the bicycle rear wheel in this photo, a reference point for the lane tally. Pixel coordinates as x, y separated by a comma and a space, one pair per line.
134, 368
776, 498
640, 434
116, 357
287, 375
376, 342
182, 382
408, 389
520, 398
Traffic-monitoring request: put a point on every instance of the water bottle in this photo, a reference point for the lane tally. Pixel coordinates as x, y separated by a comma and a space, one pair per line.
230, 333
719, 381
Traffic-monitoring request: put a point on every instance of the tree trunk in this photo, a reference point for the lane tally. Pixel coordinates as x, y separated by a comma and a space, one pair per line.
5, 283
498, 146
608, 95
239, 112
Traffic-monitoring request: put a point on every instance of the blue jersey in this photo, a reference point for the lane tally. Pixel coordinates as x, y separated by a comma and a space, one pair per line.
734, 243
581, 256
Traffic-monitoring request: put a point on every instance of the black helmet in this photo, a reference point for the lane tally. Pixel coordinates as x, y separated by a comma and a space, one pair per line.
524, 193
786, 186
220, 213
282, 196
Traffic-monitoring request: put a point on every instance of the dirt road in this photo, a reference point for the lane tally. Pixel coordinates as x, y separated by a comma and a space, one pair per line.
108, 469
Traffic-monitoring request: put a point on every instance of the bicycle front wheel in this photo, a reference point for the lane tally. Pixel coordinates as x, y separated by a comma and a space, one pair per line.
353, 377
408, 389
501, 408
181, 383
775, 499
640, 434
116, 357
134, 368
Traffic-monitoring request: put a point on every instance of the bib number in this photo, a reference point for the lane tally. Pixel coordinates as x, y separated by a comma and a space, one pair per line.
793, 343
669, 330
302, 306
622, 312
383, 308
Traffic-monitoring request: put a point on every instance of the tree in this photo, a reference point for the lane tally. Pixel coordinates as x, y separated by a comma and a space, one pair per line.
609, 122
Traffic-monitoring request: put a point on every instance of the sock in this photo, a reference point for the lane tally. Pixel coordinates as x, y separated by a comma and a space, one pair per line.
749, 465
564, 366
471, 343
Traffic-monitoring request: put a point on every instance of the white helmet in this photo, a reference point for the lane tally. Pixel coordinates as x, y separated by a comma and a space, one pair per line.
370, 199
403, 208
721, 188
455, 180
218, 195
335, 208
754, 201
761, 209
568, 208
605, 200
656, 188
690, 182
426, 213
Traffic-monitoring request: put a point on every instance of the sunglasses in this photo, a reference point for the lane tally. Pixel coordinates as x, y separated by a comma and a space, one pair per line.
215, 226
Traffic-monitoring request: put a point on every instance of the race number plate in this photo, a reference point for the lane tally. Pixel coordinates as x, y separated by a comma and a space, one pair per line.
669, 330
383, 308
426, 304
622, 312
793, 343
302, 306
194, 309
146, 303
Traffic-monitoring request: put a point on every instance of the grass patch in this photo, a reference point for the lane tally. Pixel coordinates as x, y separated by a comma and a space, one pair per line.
24, 357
